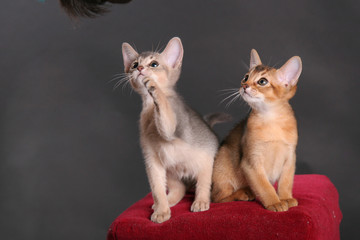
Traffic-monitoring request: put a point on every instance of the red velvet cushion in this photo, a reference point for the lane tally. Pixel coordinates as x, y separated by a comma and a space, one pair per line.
317, 217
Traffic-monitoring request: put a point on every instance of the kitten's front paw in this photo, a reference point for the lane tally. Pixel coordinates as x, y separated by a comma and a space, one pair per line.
291, 202
161, 216
150, 85
281, 206
199, 206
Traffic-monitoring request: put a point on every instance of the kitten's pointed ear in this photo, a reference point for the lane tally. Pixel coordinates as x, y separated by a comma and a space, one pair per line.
254, 59
290, 72
173, 53
129, 55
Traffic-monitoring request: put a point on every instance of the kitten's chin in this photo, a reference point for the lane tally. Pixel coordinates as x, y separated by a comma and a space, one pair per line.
254, 102
140, 77
247, 97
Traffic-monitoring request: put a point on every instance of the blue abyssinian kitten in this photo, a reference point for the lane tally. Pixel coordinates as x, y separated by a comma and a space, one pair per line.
177, 143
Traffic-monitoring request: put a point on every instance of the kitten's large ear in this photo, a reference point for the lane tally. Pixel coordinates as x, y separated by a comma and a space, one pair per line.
173, 53
254, 59
129, 55
290, 72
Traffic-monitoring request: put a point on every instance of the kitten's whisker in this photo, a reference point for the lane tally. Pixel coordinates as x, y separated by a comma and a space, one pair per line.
232, 100
118, 76
228, 89
231, 95
157, 47
245, 65
117, 84
133, 44
226, 93
115, 78
121, 81
127, 84
161, 48
274, 66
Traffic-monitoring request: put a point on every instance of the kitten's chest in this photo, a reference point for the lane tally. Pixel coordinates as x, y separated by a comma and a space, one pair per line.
273, 130
180, 158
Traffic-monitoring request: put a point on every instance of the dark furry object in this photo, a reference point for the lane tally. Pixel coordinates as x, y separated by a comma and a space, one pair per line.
87, 8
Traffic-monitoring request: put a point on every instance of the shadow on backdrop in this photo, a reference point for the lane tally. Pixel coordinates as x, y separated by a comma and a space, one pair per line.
87, 8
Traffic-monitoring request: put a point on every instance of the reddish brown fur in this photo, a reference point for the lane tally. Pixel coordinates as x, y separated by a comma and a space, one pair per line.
261, 149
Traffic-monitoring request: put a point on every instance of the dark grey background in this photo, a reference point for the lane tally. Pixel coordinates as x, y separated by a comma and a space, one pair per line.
70, 156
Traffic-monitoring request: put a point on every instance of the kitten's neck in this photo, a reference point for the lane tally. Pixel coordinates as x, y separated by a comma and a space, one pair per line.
272, 110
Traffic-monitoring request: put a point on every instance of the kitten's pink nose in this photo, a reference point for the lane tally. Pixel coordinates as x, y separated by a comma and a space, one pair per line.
139, 68
245, 86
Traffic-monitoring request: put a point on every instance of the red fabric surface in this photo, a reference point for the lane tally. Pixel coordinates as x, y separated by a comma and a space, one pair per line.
318, 216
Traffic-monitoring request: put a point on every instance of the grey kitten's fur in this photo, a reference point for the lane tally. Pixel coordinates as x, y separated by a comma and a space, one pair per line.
177, 144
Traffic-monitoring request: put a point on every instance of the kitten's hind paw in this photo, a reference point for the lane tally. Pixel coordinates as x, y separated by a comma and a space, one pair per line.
278, 207
161, 216
244, 194
199, 206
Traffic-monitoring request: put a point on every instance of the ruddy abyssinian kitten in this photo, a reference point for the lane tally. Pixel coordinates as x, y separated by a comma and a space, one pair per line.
177, 143
260, 150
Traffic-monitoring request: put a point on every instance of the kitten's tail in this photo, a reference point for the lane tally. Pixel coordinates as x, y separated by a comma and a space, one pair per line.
214, 118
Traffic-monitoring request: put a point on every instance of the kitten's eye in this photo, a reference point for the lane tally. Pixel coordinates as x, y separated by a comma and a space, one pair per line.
245, 78
262, 81
154, 64
135, 65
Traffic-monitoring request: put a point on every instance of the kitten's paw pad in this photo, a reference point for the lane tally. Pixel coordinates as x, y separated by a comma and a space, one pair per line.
291, 202
149, 84
278, 207
161, 216
199, 206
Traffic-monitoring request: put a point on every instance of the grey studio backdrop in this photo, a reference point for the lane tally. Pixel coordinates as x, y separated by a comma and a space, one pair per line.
70, 157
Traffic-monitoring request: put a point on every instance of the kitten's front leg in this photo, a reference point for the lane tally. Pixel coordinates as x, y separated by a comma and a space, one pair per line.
165, 118
203, 186
157, 179
152, 89
286, 181
260, 185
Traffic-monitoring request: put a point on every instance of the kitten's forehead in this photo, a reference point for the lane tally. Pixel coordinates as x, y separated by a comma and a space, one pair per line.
147, 56
261, 69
